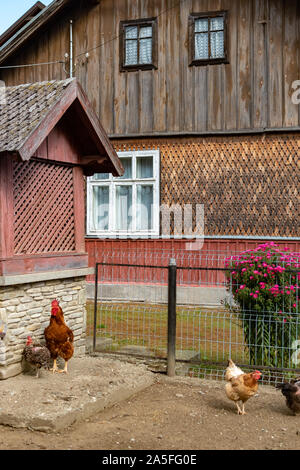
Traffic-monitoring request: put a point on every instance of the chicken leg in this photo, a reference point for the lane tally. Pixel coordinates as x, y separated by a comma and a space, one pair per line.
55, 368
238, 408
65, 370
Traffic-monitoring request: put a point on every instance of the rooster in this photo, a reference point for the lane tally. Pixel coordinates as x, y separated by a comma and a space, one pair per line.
240, 386
36, 355
59, 338
291, 392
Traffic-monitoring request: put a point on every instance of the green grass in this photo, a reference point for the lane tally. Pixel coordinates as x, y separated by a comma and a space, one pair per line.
207, 333
208, 337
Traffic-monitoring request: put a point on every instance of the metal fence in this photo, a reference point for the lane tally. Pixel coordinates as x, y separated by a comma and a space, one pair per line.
135, 298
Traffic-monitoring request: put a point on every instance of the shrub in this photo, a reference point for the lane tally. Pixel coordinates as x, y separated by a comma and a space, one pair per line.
264, 284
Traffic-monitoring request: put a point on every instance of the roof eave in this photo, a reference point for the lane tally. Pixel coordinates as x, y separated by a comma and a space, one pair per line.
28, 30
21, 22
117, 168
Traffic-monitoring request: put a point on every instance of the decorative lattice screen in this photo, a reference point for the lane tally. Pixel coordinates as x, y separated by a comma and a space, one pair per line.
249, 185
44, 208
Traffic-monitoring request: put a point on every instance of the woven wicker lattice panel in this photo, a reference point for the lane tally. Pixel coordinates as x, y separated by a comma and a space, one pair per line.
44, 210
249, 185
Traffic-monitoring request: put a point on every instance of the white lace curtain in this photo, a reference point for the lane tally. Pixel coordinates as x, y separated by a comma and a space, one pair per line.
138, 48
209, 30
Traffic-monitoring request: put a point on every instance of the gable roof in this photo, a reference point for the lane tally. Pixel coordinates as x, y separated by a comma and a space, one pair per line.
29, 112
15, 41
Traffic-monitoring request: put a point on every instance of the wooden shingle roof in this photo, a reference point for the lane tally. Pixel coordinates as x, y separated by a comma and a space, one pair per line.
28, 113
23, 108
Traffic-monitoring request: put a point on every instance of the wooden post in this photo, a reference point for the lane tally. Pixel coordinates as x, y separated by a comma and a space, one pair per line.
6, 207
171, 318
95, 308
79, 209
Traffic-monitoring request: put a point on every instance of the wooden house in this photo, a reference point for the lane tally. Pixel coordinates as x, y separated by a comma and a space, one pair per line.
49, 139
197, 99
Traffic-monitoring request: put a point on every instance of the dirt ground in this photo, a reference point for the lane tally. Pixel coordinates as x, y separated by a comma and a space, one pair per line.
174, 414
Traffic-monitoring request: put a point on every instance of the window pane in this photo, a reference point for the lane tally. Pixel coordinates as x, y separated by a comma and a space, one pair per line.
146, 32
201, 25
123, 207
100, 207
217, 45
145, 51
127, 164
131, 32
131, 52
144, 167
217, 23
144, 207
201, 46
101, 176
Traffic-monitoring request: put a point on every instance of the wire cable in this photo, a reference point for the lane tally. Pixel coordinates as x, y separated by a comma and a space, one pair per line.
31, 65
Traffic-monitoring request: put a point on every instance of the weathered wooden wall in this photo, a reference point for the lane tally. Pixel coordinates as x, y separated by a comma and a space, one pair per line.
253, 91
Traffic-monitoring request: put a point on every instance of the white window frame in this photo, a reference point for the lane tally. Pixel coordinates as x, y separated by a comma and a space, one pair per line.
113, 182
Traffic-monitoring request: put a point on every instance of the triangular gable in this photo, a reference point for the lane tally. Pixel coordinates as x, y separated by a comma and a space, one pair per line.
35, 114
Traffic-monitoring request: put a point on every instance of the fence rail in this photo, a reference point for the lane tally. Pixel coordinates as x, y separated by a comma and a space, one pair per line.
134, 307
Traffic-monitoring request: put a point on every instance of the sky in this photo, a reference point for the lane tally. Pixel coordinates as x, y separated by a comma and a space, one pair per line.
13, 9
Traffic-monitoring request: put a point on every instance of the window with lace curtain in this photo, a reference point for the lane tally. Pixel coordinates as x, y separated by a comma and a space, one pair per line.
138, 44
208, 38
128, 205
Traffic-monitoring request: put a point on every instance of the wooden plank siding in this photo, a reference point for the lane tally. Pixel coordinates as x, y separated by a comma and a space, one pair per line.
253, 91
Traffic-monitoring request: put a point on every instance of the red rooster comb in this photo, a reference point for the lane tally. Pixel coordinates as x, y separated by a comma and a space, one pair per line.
54, 307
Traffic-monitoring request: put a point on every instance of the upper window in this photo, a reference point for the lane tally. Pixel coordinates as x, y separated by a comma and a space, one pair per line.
127, 205
138, 44
208, 34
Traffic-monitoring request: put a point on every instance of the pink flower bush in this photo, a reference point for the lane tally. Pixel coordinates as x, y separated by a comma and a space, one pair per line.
268, 275
265, 284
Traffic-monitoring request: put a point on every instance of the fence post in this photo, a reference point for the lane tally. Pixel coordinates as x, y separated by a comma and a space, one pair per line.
95, 308
171, 318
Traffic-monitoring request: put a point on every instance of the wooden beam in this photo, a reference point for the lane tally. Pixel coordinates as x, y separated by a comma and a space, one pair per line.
79, 210
6, 207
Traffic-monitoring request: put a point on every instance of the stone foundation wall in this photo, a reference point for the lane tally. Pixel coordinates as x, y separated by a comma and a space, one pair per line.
25, 309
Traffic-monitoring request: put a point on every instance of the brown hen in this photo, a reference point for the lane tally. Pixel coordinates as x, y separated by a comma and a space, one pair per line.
240, 386
59, 338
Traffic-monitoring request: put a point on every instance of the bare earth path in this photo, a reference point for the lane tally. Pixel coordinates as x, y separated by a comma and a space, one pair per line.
179, 414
